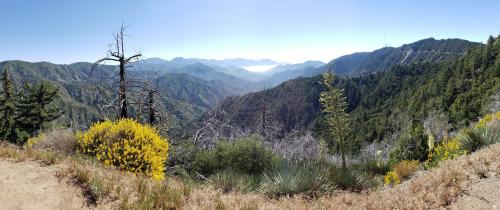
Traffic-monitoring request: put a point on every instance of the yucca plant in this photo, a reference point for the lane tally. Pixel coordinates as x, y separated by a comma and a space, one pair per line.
475, 138
308, 178
229, 180
349, 179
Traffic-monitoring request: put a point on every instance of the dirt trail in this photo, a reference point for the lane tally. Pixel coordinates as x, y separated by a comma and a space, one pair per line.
29, 185
482, 194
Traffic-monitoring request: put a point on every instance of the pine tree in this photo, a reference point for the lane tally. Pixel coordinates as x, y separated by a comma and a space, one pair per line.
334, 106
35, 108
7, 108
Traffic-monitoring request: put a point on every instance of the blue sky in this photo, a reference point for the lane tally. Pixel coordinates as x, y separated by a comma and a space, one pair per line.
283, 30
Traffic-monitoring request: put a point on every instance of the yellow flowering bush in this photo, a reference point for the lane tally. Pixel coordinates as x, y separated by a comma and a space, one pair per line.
391, 178
444, 151
401, 171
128, 145
30, 143
489, 118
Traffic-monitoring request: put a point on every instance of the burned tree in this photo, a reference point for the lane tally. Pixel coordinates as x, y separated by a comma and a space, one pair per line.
263, 133
116, 53
150, 105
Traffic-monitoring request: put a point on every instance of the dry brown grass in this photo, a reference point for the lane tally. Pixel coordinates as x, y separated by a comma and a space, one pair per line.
17, 154
118, 190
405, 169
59, 140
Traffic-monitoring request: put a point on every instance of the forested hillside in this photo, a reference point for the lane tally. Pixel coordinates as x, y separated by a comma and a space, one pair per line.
426, 50
461, 88
184, 96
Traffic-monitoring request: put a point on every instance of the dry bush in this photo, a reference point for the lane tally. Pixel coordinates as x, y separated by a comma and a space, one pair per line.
8, 150
405, 169
297, 147
58, 140
401, 171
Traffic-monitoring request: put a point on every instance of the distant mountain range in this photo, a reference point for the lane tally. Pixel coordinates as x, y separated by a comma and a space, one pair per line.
191, 86
232, 67
230, 72
427, 50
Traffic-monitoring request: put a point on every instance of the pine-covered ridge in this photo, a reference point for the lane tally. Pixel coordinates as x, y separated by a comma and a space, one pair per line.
423, 51
462, 88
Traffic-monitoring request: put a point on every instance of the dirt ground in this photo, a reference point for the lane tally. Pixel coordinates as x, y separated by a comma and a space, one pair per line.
481, 194
30, 185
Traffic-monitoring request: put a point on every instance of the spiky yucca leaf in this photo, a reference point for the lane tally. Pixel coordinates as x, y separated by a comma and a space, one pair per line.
230, 180
286, 179
349, 179
475, 138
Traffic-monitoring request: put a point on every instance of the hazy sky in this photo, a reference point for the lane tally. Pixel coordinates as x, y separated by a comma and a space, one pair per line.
283, 30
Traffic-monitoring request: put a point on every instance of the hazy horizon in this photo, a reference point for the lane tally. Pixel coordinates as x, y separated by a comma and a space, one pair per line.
283, 31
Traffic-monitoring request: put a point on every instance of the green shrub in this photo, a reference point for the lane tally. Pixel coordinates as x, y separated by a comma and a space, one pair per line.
488, 119
247, 155
182, 174
372, 167
412, 145
128, 145
309, 178
475, 138
229, 180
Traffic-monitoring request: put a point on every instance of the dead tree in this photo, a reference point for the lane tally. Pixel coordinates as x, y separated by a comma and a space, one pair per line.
116, 53
215, 126
150, 103
140, 107
264, 113
151, 106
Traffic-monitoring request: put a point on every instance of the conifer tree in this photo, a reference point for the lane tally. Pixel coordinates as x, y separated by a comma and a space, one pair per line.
7, 108
334, 107
35, 108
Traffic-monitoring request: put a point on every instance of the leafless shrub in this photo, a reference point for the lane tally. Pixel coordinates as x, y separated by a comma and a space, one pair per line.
216, 126
297, 147
59, 140
375, 151
495, 103
437, 125
400, 121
